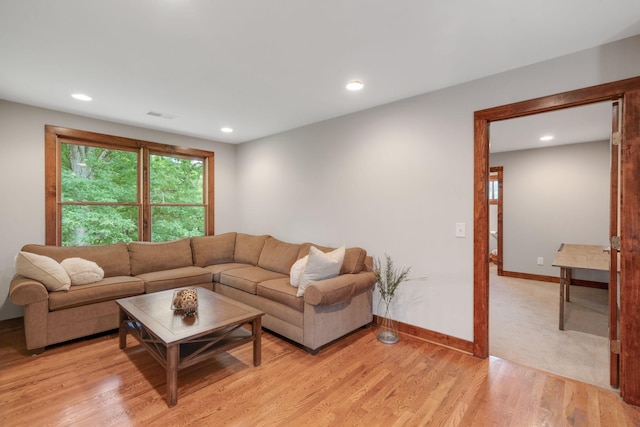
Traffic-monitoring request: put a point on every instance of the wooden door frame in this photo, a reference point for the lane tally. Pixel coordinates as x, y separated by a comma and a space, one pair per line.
629, 91
614, 230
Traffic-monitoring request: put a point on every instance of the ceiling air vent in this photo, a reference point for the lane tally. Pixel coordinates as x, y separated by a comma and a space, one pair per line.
163, 115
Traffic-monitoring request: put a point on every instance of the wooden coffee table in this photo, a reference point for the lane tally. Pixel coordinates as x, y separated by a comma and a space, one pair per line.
178, 341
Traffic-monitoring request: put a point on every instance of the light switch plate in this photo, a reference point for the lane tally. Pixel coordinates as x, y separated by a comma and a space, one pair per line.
461, 229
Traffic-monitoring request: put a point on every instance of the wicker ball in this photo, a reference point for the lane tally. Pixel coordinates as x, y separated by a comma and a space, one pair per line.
187, 301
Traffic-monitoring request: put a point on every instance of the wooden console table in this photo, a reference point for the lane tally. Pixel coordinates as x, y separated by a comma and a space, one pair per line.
569, 256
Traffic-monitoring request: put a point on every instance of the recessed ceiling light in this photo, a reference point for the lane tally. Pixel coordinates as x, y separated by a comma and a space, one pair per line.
546, 138
355, 85
226, 129
163, 115
81, 97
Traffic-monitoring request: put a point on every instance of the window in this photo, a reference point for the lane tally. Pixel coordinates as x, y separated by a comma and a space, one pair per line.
102, 189
495, 184
494, 188
176, 197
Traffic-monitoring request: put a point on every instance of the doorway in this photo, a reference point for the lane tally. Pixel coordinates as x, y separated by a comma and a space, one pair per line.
553, 191
629, 91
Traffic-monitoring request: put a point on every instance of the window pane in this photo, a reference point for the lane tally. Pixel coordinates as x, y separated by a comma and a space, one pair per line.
94, 174
176, 222
493, 190
98, 225
176, 180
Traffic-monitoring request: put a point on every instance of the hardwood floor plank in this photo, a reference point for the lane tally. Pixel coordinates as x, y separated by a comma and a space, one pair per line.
356, 381
575, 404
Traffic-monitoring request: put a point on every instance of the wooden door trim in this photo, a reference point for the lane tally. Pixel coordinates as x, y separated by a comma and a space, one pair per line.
630, 249
612, 291
630, 190
499, 170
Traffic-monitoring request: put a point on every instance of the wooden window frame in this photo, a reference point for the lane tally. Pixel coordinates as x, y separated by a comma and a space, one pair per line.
55, 136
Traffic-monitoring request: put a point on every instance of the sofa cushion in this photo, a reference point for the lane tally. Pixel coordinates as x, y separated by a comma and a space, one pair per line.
320, 266
82, 271
44, 269
157, 256
113, 259
278, 256
175, 278
248, 248
305, 248
247, 278
354, 258
281, 291
108, 289
208, 250
353, 261
217, 269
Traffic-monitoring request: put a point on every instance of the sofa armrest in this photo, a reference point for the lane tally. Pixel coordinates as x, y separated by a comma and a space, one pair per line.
25, 291
330, 291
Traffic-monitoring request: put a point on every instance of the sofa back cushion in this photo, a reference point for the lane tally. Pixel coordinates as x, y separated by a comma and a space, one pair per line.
248, 248
278, 256
305, 247
157, 256
113, 259
354, 258
211, 250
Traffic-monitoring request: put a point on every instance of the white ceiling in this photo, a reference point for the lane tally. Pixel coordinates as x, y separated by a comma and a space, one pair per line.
263, 67
588, 123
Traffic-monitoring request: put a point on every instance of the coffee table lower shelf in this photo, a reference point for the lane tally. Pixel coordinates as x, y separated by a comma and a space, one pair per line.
191, 351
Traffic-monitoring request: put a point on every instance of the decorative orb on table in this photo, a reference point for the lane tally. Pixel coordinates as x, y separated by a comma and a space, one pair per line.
186, 301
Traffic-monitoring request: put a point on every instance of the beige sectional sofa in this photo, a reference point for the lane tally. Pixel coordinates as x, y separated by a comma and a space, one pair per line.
249, 268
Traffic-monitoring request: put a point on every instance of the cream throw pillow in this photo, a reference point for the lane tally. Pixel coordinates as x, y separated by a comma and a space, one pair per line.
320, 266
296, 271
82, 271
43, 269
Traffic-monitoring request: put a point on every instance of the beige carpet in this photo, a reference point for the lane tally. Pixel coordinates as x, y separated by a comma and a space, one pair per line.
523, 328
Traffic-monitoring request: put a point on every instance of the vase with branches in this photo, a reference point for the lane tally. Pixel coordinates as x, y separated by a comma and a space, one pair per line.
388, 278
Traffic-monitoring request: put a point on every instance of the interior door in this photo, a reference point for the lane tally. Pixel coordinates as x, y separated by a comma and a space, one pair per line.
614, 232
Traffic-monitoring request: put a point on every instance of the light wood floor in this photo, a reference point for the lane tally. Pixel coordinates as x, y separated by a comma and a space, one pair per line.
356, 381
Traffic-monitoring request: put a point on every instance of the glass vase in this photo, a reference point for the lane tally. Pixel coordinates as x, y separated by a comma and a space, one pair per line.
388, 328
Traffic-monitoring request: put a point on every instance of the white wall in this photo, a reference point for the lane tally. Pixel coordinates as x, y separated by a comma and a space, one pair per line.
22, 177
551, 196
395, 179
391, 179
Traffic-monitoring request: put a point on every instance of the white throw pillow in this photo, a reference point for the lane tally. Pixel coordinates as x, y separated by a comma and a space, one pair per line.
43, 269
296, 271
320, 266
82, 271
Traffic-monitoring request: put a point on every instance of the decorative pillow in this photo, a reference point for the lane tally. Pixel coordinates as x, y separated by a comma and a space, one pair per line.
82, 271
296, 271
320, 266
43, 269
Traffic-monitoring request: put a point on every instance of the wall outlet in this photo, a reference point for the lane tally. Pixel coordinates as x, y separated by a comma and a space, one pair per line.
540, 260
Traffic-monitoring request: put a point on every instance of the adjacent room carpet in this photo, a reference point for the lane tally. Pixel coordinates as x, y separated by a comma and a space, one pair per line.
523, 328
